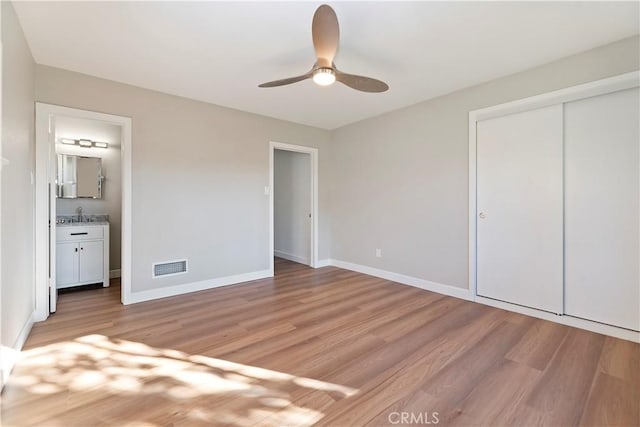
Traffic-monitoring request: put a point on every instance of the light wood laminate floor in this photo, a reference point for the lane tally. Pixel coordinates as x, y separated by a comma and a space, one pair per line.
324, 346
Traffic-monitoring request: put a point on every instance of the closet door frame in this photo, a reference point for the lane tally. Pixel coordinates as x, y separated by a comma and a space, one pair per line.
574, 93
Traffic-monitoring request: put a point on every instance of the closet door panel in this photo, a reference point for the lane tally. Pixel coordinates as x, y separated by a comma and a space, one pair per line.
602, 216
519, 206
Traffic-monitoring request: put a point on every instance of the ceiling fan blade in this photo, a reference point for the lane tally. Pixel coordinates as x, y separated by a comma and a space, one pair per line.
326, 34
361, 83
286, 81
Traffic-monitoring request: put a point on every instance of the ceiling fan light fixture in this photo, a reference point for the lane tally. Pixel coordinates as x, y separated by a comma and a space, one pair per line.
325, 33
324, 76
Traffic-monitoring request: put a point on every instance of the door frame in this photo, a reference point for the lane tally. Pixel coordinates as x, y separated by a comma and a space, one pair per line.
313, 170
44, 113
574, 93
5, 365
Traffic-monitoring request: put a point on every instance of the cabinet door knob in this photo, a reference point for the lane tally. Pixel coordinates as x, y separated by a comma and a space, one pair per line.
76, 249
482, 215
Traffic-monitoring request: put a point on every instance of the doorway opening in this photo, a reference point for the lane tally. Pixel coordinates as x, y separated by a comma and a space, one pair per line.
293, 204
83, 209
87, 205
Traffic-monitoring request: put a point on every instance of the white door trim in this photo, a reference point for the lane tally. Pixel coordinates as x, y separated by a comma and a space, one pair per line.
595, 88
43, 113
313, 152
52, 169
5, 365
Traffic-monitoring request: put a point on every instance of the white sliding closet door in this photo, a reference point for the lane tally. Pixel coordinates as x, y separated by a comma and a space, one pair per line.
602, 215
519, 205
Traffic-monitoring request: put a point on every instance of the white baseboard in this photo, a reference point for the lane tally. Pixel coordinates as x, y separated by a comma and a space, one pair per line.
575, 322
323, 263
405, 280
171, 291
9, 355
114, 274
467, 295
291, 257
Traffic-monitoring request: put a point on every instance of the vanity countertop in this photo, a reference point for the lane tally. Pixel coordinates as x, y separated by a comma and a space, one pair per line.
82, 224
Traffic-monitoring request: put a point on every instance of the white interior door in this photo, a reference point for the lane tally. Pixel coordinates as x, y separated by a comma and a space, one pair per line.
519, 207
602, 225
52, 167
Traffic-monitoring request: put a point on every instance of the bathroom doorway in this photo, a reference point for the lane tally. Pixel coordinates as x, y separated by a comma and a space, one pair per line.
83, 214
88, 205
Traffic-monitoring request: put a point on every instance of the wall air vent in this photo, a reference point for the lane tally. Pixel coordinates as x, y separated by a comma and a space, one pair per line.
169, 268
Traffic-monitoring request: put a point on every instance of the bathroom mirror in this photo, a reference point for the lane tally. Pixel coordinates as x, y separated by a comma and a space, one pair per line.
79, 177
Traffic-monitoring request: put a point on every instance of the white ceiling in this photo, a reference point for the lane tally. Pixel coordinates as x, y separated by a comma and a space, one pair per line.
219, 52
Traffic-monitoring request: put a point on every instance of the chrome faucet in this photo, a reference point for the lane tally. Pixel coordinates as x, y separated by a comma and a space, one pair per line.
79, 212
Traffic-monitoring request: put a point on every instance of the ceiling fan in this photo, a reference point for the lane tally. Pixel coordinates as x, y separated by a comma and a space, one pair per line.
326, 34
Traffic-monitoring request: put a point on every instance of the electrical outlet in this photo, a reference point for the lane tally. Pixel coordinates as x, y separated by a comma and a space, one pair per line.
378, 253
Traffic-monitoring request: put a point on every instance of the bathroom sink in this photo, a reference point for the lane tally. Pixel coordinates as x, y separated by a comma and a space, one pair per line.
76, 220
82, 223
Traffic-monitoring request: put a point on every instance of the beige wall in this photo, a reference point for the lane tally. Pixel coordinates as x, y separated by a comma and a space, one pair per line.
199, 173
110, 203
17, 190
399, 181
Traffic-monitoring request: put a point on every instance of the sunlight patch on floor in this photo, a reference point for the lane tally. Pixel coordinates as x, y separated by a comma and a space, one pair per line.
98, 378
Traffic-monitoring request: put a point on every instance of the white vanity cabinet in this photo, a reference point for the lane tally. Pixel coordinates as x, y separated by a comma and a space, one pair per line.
82, 255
